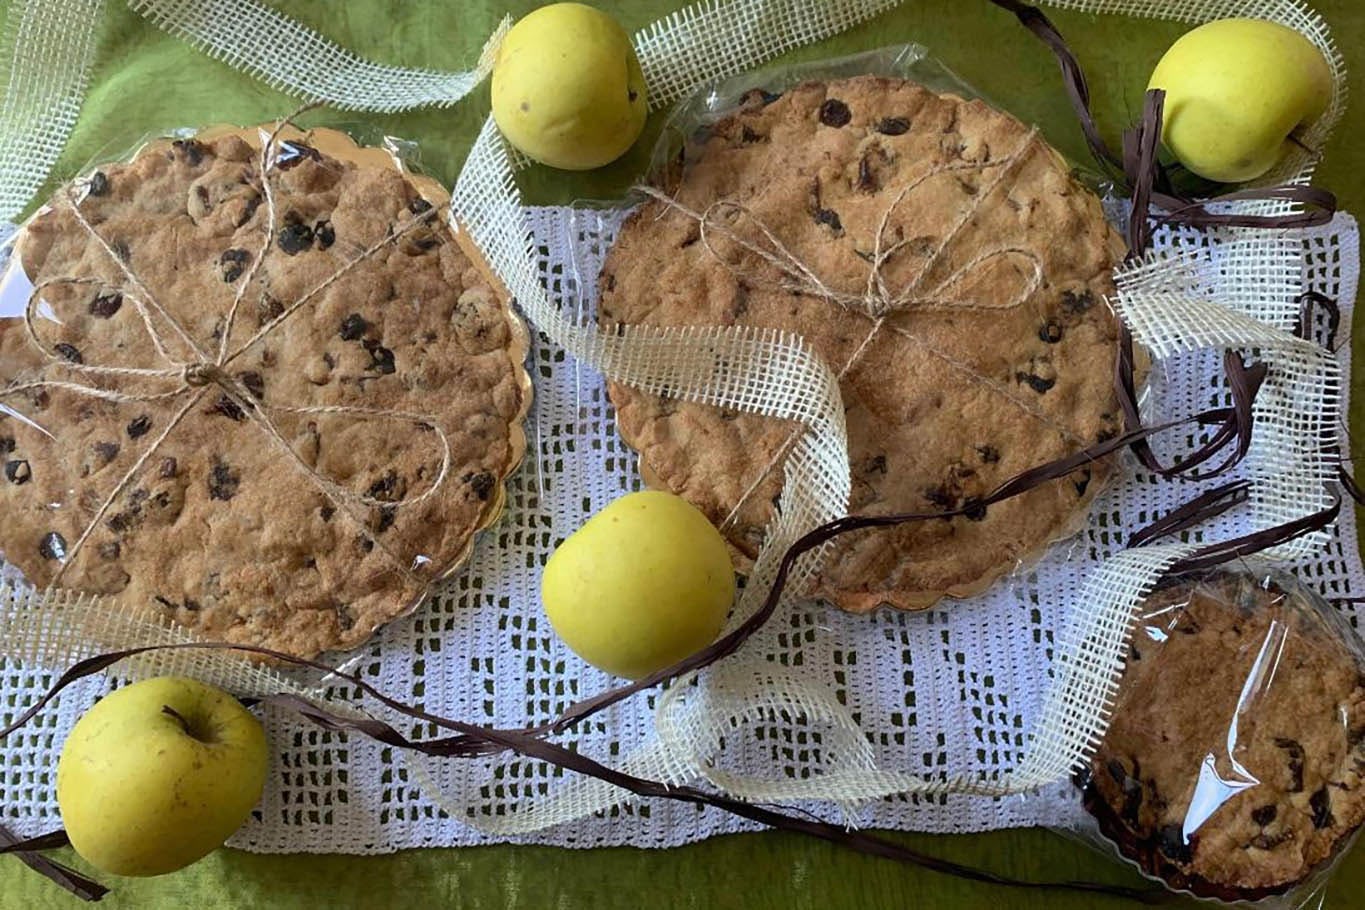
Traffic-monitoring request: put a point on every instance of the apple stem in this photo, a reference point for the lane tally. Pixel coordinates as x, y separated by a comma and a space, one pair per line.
167, 709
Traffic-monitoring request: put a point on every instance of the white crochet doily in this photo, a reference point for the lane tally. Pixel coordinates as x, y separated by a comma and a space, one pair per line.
952, 690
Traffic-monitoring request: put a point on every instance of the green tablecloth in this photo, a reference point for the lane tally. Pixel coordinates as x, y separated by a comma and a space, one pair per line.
147, 81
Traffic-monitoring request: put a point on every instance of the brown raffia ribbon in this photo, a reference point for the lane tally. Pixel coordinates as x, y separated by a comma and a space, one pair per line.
29, 851
472, 740
1233, 425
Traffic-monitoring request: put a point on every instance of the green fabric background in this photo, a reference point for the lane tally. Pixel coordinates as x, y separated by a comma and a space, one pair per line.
147, 81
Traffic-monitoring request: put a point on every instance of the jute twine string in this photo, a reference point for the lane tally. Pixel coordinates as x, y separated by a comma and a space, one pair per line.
196, 374
877, 301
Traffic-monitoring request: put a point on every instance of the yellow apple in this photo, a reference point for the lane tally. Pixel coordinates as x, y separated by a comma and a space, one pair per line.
567, 87
158, 774
644, 583
1236, 89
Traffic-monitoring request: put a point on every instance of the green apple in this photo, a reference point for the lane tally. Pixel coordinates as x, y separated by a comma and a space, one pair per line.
644, 583
1236, 91
567, 87
158, 774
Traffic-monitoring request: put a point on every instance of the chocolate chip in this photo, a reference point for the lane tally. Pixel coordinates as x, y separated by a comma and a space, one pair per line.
1321, 804
1051, 332
226, 407
1132, 801
53, 546
292, 153
424, 242
99, 184
364, 543
1078, 301
1174, 845
327, 512
1270, 842
295, 238
1083, 482
223, 481
109, 550
835, 113
1037, 383
1116, 770
419, 205
268, 309
18, 472
325, 234
974, 509
168, 604
386, 517
892, 126
868, 181
353, 327
233, 263
345, 618
829, 217
252, 204
7, 445
876, 465
121, 521
989, 454
381, 358
385, 488
757, 97
191, 151
138, 426
168, 468
1264, 815
940, 496
105, 451
1295, 752
749, 136
106, 305
481, 483
68, 353
254, 383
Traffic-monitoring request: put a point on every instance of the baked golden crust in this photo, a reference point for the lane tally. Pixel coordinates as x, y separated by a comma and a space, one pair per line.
996, 352
219, 526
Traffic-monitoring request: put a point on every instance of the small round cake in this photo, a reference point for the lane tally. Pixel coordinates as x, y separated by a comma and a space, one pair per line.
1233, 765
942, 259
273, 433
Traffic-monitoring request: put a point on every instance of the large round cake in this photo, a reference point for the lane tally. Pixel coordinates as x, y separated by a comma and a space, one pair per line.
949, 268
367, 410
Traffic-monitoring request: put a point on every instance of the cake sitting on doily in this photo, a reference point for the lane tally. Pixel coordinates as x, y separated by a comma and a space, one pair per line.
942, 259
274, 408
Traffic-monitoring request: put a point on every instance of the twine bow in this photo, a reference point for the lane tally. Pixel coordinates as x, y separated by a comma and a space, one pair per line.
195, 373
877, 300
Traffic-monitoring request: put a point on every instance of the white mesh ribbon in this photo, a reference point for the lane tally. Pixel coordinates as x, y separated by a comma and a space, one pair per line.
880, 718
46, 53
1170, 308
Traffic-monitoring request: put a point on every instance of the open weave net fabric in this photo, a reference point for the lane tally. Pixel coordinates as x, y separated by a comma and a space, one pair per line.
930, 721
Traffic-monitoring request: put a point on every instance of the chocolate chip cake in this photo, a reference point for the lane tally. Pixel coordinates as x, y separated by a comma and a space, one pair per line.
1233, 764
942, 259
275, 425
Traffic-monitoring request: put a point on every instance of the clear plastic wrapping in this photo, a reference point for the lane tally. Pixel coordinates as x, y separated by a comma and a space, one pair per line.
746, 232
267, 395
1232, 765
